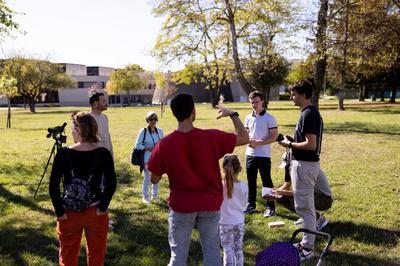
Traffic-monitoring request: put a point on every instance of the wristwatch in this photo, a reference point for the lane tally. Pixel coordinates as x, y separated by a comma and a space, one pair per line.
234, 114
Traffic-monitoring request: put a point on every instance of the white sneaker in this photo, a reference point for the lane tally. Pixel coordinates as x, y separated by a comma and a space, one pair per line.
146, 201
322, 222
304, 253
298, 222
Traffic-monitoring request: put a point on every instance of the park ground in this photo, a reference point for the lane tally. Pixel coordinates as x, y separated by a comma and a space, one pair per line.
360, 155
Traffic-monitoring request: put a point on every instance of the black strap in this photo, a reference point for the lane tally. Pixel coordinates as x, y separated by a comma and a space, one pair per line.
151, 135
144, 136
92, 169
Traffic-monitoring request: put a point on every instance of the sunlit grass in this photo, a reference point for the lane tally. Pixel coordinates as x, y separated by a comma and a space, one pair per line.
360, 155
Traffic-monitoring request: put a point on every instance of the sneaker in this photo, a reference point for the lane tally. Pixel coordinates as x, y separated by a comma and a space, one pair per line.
304, 253
269, 212
249, 208
110, 224
322, 222
146, 201
298, 222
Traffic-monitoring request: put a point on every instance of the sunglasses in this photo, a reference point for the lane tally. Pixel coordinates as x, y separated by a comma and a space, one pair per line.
153, 119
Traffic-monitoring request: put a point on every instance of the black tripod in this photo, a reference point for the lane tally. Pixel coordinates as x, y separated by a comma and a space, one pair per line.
57, 133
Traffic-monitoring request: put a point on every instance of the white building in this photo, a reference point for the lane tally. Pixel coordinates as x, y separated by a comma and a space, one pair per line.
85, 76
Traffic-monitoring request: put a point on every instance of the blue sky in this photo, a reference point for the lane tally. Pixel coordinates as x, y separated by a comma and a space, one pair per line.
110, 33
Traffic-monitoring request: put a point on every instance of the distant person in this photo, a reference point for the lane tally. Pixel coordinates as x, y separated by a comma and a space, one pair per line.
231, 223
263, 131
80, 168
146, 140
189, 156
98, 104
305, 167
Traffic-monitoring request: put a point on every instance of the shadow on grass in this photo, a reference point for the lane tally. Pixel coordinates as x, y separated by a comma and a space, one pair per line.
19, 169
358, 127
146, 238
16, 241
10, 197
53, 112
355, 260
364, 233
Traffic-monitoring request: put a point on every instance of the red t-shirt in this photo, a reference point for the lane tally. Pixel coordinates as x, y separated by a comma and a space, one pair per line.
191, 162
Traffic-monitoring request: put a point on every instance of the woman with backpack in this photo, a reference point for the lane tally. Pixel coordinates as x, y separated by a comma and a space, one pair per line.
88, 180
146, 140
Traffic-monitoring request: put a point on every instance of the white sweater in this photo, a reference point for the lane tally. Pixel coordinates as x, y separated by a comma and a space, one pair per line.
232, 208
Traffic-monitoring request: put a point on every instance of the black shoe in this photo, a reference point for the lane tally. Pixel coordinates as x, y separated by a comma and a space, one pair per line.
249, 208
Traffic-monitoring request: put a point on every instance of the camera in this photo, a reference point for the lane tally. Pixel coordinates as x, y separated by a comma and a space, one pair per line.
58, 133
280, 137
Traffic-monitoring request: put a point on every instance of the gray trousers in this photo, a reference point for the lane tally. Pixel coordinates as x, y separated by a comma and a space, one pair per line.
180, 234
304, 175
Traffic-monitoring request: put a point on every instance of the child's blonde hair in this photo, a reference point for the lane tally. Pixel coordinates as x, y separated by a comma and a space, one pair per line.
231, 166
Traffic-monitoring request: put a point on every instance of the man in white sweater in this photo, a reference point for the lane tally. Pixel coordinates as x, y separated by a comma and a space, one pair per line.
98, 103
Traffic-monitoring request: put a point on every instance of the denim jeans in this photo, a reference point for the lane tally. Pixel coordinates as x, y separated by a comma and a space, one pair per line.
146, 184
180, 233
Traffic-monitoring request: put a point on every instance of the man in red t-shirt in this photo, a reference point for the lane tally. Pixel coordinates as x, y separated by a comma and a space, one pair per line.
189, 156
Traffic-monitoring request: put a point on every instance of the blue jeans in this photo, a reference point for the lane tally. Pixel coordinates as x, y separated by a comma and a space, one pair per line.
146, 184
180, 233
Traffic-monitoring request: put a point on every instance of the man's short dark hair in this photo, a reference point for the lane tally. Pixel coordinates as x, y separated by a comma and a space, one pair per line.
95, 97
304, 86
254, 94
182, 106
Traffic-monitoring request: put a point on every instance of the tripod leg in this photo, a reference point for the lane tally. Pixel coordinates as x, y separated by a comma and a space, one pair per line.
45, 169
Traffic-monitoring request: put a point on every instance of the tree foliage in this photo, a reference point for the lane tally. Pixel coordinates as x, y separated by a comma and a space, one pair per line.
35, 77
132, 77
214, 33
8, 88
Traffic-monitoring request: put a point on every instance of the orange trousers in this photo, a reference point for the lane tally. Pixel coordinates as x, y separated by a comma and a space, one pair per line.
69, 234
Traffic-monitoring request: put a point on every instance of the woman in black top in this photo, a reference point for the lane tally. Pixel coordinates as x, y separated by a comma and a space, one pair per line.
87, 175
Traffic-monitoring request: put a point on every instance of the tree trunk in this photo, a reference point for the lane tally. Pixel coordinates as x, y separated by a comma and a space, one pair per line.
341, 104
382, 93
238, 69
266, 92
343, 73
9, 114
361, 95
394, 90
320, 45
214, 95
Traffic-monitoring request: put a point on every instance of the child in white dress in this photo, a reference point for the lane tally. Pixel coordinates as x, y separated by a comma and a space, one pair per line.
231, 224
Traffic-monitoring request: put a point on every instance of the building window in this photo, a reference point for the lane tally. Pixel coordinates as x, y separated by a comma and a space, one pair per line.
81, 85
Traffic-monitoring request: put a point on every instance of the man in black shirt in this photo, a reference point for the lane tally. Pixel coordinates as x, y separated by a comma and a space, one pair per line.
305, 166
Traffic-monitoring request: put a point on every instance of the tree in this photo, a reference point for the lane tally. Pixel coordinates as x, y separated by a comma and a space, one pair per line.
320, 45
131, 77
268, 72
35, 76
165, 87
9, 89
300, 70
209, 32
7, 23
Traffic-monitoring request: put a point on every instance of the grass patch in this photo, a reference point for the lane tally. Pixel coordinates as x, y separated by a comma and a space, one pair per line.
360, 155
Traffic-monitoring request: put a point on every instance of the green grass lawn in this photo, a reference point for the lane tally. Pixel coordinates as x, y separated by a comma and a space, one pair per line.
360, 155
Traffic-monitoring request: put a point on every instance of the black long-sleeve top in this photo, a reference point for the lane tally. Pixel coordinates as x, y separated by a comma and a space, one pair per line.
82, 162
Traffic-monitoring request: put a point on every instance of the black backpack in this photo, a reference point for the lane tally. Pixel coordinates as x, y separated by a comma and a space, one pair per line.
77, 195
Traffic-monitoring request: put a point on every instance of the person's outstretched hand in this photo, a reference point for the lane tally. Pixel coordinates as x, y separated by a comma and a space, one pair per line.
223, 111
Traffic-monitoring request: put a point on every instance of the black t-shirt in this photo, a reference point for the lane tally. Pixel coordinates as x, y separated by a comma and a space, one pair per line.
310, 122
103, 182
